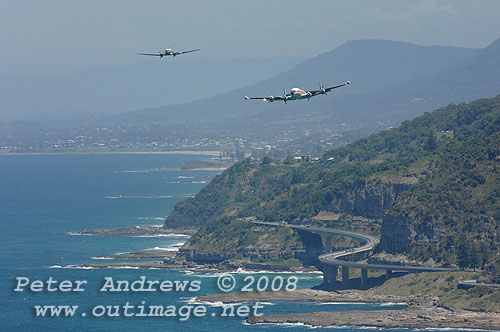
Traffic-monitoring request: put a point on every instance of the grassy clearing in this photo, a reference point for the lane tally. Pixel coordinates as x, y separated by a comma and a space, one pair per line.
444, 285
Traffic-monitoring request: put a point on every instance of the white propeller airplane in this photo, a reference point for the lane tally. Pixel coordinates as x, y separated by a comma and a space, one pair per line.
297, 94
168, 52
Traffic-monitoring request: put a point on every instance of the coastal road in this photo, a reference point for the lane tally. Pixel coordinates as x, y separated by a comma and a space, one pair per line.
332, 260
466, 284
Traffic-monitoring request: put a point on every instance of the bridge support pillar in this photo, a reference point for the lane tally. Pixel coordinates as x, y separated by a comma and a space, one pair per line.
388, 273
327, 241
330, 274
345, 275
364, 276
334, 273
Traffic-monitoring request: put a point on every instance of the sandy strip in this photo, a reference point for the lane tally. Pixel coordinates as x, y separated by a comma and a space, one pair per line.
215, 153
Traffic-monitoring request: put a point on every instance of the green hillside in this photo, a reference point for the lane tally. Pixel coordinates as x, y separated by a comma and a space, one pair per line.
432, 185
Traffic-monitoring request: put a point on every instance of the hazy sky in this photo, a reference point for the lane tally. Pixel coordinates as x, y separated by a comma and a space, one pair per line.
60, 36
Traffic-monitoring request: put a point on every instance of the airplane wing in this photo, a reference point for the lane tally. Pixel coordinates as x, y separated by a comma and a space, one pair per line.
268, 98
261, 98
337, 86
151, 54
189, 51
322, 91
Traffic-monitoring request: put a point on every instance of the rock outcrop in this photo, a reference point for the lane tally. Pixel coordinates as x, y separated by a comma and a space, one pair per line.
306, 248
369, 201
395, 235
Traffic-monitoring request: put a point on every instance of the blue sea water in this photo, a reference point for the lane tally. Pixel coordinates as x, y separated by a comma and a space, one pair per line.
45, 199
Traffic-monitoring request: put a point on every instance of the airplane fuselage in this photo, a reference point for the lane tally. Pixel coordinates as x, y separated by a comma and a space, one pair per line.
168, 51
297, 93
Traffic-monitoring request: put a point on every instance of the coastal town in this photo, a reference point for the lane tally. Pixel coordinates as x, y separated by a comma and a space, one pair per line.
113, 136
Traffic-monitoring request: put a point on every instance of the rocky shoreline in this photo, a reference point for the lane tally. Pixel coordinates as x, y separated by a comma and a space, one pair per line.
422, 311
159, 256
139, 230
310, 295
411, 318
167, 259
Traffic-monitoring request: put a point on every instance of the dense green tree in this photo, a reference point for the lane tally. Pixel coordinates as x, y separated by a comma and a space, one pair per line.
266, 160
475, 258
463, 254
486, 253
431, 143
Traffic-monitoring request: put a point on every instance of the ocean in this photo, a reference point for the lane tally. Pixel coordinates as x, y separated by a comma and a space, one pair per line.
46, 199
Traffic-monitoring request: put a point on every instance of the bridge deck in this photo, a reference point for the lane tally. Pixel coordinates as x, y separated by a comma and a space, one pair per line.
369, 243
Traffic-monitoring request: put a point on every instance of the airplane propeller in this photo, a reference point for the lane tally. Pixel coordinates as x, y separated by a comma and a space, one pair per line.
322, 89
284, 95
269, 99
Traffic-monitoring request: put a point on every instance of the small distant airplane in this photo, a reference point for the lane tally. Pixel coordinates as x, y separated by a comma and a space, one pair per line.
169, 51
297, 94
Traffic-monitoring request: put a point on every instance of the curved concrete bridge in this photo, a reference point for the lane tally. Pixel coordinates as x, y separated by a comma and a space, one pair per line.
333, 260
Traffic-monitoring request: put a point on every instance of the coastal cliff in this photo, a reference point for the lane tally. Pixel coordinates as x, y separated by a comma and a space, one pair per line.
370, 200
241, 242
430, 188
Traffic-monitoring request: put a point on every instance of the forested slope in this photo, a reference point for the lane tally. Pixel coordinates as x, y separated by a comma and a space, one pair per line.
432, 184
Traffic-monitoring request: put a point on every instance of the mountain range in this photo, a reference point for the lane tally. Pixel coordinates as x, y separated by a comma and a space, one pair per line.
385, 75
118, 89
391, 82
